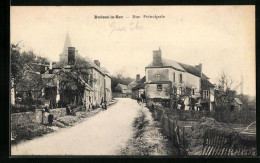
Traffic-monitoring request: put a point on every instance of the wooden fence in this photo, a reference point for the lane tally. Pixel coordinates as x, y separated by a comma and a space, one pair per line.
216, 143
172, 130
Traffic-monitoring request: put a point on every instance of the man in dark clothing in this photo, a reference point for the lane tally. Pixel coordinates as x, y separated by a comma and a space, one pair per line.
50, 119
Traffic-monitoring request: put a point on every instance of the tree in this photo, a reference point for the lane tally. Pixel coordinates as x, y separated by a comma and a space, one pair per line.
178, 97
119, 79
224, 94
19, 60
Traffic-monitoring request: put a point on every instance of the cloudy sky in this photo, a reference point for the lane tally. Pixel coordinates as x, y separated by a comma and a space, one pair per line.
222, 38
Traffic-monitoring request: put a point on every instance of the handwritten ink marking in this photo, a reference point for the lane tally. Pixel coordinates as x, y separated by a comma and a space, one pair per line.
135, 26
114, 27
131, 27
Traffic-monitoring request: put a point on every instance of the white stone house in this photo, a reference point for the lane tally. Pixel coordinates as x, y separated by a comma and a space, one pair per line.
167, 78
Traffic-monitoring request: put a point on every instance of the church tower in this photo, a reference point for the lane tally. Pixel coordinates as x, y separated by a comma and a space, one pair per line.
64, 53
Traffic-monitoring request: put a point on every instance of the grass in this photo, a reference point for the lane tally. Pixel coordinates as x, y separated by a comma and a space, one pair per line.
28, 131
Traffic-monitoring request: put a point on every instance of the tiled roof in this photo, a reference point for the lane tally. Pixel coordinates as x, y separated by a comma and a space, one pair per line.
139, 86
206, 84
192, 69
168, 62
180, 66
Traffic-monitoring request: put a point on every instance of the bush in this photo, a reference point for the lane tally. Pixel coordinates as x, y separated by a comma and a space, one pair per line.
62, 103
243, 116
29, 131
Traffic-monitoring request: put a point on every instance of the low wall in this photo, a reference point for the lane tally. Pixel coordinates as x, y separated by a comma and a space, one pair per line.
37, 116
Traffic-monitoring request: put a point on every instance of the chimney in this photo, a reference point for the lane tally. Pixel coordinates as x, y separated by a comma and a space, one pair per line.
97, 62
137, 78
200, 69
50, 68
71, 55
50, 65
157, 58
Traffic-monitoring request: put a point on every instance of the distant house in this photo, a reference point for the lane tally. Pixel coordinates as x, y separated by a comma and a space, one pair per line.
122, 90
139, 89
236, 104
167, 79
134, 82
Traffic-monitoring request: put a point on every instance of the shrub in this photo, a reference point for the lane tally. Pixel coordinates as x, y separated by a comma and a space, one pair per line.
28, 131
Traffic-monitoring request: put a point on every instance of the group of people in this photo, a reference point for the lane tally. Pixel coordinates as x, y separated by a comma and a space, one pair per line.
141, 98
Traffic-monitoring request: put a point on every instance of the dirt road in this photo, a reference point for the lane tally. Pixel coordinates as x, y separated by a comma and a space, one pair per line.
98, 135
110, 132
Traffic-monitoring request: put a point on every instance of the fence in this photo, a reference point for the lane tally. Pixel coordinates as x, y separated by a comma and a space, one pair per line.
172, 129
216, 143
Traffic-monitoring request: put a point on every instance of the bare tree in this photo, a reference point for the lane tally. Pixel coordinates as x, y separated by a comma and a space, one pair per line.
224, 94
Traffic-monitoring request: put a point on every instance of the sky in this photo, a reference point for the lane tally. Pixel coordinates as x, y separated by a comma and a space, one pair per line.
222, 38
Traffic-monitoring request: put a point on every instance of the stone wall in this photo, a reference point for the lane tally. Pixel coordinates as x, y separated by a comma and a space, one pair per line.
30, 117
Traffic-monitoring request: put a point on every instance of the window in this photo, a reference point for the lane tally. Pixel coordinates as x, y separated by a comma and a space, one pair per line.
180, 78
205, 94
159, 87
158, 76
180, 90
193, 92
174, 77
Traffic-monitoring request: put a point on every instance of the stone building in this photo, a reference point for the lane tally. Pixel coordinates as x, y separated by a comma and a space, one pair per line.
167, 80
96, 81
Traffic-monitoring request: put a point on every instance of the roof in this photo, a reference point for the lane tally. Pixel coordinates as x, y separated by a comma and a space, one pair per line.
206, 84
91, 64
180, 66
192, 69
122, 86
67, 42
143, 79
237, 100
170, 63
47, 77
139, 86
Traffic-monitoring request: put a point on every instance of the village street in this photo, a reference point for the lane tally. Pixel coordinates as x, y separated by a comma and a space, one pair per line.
102, 134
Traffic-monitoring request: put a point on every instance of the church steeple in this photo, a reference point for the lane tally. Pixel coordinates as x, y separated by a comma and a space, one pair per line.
67, 42
64, 53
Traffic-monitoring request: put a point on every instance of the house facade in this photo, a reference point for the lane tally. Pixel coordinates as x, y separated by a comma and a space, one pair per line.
96, 82
174, 82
